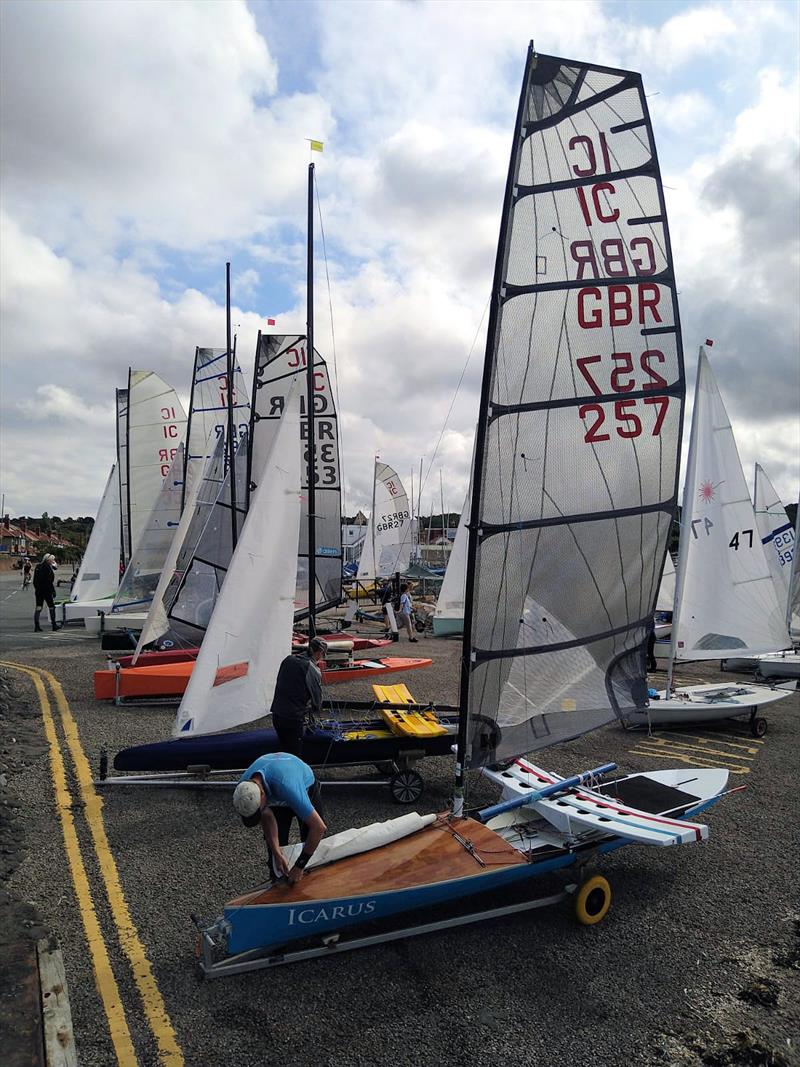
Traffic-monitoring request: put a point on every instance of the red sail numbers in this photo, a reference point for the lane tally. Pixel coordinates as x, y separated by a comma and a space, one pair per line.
614, 307
169, 429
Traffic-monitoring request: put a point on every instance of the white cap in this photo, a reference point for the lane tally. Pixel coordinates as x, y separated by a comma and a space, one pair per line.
246, 798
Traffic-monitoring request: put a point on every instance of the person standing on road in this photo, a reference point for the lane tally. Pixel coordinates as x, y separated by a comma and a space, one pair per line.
298, 690
44, 586
406, 611
386, 595
27, 567
275, 789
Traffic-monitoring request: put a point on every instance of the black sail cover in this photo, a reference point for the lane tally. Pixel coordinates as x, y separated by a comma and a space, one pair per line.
579, 430
279, 359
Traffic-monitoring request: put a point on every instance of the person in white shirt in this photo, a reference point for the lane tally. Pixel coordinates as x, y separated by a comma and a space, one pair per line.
406, 609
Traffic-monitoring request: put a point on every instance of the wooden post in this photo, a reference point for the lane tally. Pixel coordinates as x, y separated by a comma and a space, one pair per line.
59, 1040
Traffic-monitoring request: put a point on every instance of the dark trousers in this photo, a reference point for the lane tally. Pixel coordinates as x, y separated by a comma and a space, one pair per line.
651, 651
284, 817
290, 734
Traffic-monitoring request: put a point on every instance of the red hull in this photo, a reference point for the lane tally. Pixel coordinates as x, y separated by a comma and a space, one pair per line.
183, 655
171, 679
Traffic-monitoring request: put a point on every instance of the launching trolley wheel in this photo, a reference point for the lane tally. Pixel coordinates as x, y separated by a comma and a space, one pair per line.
758, 726
419, 627
406, 786
592, 900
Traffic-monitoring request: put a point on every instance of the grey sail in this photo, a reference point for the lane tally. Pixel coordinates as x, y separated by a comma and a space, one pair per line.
122, 474
279, 359
208, 406
578, 437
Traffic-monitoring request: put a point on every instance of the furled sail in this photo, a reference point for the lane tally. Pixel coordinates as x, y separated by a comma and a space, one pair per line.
280, 360
251, 630
144, 569
208, 405
450, 603
122, 475
387, 546
98, 576
205, 555
578, 437
776, 532
726, 603
156, 425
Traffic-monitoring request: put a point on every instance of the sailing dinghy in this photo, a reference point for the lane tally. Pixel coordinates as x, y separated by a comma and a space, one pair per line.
574, 484
725, 600
98, 576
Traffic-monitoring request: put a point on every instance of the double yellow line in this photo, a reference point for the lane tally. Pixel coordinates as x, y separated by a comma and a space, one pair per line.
155, 1011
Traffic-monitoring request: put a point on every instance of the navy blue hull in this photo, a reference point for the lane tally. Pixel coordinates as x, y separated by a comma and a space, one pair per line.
321, 748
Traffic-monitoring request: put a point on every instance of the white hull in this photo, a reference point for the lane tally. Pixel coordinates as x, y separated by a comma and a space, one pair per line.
706, 703
780, 665
120, 620
74, 611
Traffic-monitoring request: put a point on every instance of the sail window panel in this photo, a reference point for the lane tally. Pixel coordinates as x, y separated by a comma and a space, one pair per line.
537, 463
570, 246
209, 415
541, 339
573, 149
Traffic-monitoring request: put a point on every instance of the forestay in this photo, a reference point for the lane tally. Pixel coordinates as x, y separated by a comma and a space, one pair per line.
155, 429
144, 568
387, 546
251, 629
726, 603
578, 436
776, 532
98, 576
208, 405
281, 360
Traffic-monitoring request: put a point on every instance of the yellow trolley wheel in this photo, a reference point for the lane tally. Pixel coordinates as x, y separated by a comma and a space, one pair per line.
593, 900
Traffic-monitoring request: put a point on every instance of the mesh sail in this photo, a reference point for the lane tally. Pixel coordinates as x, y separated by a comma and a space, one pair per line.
98, 576
122, 475
280, 360
387, 546
208, 409
156, 429
144, 569
578, 438
726, 603
776, 533
205, 555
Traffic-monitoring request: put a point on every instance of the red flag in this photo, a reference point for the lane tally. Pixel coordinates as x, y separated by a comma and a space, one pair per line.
709, 343
270, 322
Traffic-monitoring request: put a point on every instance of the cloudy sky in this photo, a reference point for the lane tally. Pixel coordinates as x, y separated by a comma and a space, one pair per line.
143, 144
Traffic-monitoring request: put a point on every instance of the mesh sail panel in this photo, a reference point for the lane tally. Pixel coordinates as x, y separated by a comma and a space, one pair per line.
122, 474
279, 361
208, 547
208, 412
579, 432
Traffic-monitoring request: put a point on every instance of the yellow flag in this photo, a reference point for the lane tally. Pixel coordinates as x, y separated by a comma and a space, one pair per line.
316, 146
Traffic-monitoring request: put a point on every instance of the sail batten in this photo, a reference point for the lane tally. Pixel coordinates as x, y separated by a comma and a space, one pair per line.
578, 437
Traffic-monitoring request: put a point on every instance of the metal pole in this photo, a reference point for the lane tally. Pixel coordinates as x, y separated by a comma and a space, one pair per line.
441, 501
231, 448
310, 435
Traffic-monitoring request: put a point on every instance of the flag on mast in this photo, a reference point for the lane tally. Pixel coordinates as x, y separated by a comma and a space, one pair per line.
316, 146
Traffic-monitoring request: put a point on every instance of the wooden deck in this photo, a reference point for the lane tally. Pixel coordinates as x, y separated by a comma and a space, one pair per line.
430, 855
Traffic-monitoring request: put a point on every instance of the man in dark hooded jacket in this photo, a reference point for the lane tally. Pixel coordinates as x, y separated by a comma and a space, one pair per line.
298, 689
44, 586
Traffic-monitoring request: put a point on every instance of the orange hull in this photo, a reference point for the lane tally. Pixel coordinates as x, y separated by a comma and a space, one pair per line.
171, 679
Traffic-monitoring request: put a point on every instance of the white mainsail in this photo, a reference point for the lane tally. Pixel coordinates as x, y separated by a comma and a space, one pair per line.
121, 399
250, 631
450, 603
725, 602
98, 576
147, 562
387, 546
776, 532
156, 425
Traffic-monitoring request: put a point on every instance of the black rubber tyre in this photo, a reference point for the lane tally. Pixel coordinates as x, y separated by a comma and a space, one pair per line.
419, 627
592, 900
758, 726
406, 786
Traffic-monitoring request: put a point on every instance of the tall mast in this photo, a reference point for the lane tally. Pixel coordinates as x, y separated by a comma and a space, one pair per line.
441, 501
372, 520
231, 448
119, 485
127, 551
312, 458
187, 450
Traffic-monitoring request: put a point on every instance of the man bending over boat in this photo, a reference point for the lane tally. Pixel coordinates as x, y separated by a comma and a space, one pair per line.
298, 690
272, 791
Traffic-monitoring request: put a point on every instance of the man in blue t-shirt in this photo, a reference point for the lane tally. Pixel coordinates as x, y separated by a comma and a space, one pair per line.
272, 791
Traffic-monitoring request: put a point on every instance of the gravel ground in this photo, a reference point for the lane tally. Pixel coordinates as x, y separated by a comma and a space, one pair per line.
697, 963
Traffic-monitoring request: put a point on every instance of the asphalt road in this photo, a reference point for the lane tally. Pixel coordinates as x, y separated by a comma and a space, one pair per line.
699, 942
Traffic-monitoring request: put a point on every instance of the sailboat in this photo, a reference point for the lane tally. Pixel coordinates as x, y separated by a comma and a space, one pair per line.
387, 545
448, 618
98, 576
779, 539
574, 484
725, 600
